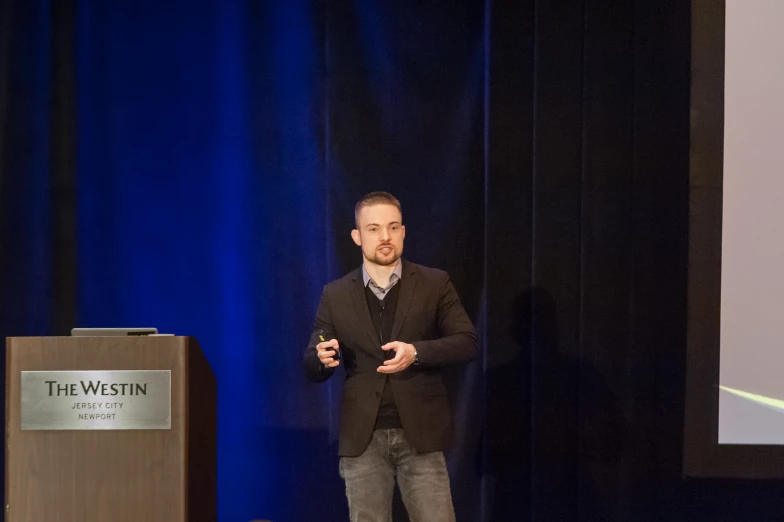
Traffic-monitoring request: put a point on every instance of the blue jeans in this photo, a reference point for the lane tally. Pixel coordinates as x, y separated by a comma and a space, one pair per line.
421, 477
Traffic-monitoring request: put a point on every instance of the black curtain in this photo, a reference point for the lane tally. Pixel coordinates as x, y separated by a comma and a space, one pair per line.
541, 153
567, 185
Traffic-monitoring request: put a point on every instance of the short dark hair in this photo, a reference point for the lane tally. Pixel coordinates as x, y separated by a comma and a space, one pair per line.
375, 198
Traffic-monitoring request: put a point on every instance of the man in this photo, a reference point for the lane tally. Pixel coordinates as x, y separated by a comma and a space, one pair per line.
392, 325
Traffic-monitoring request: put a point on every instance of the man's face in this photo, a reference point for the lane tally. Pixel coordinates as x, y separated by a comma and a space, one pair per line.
380, 234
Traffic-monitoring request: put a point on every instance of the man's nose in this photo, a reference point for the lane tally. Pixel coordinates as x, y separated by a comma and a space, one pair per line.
384, 234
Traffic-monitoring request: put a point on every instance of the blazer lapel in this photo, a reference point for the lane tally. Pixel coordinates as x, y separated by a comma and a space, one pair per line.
407, 285
361, 307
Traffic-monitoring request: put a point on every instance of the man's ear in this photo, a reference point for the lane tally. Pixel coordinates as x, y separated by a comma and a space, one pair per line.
356, 237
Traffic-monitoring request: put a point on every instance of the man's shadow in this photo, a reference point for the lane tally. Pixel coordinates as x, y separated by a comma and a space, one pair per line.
553, 432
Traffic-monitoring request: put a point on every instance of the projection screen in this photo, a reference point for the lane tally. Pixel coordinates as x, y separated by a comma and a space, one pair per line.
751, 397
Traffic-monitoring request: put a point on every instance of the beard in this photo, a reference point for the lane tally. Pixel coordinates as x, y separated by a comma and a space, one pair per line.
377, 259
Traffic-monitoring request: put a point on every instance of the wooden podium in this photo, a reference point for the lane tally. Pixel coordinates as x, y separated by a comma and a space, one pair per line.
104, 474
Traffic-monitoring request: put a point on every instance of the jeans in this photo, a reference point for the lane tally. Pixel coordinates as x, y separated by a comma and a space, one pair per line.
421, 477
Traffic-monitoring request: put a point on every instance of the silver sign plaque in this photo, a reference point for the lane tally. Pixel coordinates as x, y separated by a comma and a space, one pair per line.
97, 400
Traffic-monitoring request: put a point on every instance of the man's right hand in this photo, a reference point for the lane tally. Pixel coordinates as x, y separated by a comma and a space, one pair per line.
325, 352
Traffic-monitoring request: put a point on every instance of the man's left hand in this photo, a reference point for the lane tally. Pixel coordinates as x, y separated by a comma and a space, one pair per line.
404, 356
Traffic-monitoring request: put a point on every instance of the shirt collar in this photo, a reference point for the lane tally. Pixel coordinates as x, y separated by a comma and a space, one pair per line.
397, 272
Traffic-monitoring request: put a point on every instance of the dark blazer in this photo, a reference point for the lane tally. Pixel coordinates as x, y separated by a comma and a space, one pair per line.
429, 316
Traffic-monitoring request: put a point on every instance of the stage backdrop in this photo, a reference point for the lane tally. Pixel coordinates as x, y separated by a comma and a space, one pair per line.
193, 166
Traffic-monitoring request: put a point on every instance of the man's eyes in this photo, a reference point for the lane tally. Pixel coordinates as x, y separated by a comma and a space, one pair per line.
394, 228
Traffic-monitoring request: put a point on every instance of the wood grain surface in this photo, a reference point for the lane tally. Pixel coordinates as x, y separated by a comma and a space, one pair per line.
112, 475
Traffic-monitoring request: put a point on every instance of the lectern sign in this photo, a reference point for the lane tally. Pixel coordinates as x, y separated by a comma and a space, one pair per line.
96, 400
